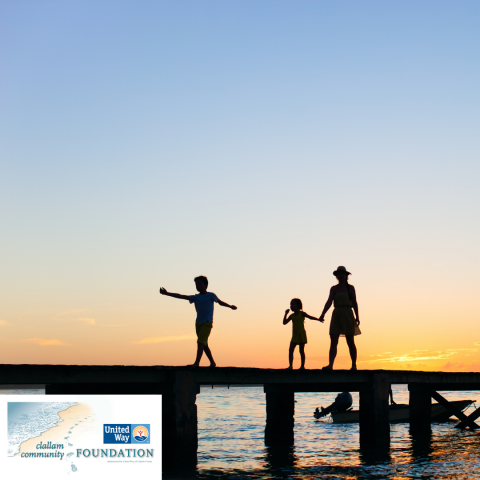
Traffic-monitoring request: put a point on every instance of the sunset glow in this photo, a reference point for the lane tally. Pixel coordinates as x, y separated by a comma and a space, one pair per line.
144, 143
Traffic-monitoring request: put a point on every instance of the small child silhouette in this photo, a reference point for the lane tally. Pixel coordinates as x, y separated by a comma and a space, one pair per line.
299, 335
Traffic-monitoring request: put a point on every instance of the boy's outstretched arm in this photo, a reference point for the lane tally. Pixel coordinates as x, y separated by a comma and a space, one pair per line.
312, 318
163, 291
223, 304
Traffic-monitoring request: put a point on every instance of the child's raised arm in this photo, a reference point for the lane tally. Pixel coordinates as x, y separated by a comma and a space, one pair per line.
285, 319
163, 291
306, 315
224, 304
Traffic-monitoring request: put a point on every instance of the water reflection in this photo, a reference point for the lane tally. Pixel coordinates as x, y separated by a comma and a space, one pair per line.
278, 458
421, 444
372, 456
231, 443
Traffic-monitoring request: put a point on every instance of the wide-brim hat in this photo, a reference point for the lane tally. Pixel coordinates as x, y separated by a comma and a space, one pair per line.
341, 270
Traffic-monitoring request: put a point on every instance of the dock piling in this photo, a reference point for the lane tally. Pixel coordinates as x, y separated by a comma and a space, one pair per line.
375, 413
280, 408
420, 404
179, 419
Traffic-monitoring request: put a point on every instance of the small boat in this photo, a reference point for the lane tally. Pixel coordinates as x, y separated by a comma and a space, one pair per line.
400, 413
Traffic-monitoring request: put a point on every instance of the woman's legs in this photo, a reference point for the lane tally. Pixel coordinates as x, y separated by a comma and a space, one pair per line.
302, 354
353, 350
290, 354
333, 350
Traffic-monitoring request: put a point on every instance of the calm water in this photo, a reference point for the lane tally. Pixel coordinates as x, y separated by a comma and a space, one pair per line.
231, 428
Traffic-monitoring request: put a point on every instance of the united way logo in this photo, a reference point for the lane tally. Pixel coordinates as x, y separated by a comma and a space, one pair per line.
126, 433
141, 434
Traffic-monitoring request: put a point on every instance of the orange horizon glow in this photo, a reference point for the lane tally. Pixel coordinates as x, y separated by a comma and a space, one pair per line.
110, 340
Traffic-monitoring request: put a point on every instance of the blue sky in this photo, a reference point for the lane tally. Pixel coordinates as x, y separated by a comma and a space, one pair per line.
262, 143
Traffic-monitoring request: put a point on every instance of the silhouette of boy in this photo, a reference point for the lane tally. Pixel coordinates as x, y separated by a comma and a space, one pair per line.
204, 306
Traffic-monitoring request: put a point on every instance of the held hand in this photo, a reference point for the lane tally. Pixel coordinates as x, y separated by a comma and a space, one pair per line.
233, 307
321, 319
286, 311
163, 291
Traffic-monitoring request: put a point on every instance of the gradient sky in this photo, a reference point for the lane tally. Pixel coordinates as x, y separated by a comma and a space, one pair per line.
260, 143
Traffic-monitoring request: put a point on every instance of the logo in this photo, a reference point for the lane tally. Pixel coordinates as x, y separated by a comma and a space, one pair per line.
140, 434
126, 433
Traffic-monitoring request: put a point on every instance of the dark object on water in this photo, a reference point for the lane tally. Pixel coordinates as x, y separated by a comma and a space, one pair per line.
343, 401
400, 413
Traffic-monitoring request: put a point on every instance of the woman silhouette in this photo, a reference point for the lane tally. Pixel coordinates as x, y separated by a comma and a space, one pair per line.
343, 322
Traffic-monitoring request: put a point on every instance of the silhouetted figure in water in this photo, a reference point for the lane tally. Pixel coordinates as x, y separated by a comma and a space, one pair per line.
343, 322
299, 335
204, 323
342, 403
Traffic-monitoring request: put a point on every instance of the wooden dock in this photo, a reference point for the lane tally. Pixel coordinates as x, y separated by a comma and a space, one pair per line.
179, 387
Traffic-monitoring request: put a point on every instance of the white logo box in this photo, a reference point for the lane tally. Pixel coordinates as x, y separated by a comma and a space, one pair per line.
58, 436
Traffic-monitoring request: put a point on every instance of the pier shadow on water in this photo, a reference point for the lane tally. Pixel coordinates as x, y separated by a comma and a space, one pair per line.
372, 456
280, 458
421, 445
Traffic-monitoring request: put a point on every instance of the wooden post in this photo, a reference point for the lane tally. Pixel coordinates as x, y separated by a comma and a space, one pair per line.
420, 409
464, 420
179, 420
375, 413
471, 419
280, 417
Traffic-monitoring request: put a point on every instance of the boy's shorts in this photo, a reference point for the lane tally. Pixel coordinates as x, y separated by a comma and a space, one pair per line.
203, 332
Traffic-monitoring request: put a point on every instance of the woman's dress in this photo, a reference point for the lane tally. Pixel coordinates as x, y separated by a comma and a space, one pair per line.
343, 321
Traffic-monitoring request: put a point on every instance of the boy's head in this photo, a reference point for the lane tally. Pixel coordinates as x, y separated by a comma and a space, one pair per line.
201, 283
296, 305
